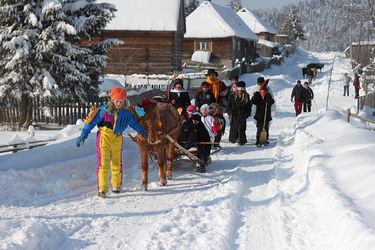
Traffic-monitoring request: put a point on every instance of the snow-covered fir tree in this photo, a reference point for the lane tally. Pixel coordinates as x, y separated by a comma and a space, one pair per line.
291, 26
236, 5
190, 6
42, 54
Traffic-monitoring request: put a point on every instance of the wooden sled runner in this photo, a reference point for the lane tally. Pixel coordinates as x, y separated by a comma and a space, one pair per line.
184, 151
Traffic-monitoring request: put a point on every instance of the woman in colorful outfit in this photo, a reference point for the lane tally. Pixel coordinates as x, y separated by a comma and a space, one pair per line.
112, 119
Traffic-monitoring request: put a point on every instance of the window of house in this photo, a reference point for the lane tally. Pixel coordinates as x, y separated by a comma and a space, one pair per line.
238, 45
203, 45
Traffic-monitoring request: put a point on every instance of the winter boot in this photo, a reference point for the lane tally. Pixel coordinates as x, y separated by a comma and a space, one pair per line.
116, 190
101, 193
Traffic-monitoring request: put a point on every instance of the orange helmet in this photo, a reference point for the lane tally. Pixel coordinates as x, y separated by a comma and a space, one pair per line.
118, 94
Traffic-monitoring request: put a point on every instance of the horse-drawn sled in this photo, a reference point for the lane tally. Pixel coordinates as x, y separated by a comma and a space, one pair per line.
162, 123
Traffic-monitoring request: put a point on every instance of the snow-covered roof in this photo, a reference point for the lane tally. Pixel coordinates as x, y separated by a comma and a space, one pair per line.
201, 56
211, 20
145, 15
267, 43
364, 43
254, 22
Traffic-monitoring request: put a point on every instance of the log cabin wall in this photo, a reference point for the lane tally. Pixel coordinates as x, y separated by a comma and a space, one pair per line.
144, 52
224, 51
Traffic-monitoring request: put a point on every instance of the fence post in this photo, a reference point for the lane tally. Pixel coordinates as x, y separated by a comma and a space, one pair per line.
358, 105
348, 113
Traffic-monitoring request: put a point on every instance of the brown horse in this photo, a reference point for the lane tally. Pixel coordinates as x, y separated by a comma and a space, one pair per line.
160, 119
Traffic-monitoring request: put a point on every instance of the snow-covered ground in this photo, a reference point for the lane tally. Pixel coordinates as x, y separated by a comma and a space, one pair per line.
311, 188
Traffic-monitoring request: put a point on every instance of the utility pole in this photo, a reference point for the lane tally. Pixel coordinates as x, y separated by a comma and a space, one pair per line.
329, 81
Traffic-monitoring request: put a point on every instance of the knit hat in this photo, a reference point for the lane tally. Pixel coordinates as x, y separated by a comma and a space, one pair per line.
205, 107
118, 94
191, 108
260, 80
241, 84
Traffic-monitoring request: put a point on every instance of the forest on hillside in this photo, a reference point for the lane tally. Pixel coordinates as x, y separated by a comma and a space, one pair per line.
329, 25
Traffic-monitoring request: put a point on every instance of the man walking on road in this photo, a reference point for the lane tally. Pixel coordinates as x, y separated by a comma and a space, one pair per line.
298, 99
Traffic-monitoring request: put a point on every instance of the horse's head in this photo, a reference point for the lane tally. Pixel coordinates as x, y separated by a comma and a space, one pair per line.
151, 122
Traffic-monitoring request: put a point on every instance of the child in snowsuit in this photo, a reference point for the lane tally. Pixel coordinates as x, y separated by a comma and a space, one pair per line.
112, 119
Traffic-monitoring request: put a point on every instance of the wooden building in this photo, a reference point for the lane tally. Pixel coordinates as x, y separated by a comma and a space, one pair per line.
219, 32
361, 52
152, 32
266, 45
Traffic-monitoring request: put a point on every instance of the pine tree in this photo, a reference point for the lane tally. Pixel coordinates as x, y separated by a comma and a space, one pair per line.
236, 5
42, 54
190, 6
292, 26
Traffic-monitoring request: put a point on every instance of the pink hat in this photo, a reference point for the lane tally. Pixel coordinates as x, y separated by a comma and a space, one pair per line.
191, 108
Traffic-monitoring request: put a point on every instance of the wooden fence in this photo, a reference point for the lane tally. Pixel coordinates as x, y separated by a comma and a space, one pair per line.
366, 100
58, 111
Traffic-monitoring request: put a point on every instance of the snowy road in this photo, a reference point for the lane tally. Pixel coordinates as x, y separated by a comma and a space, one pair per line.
287, 195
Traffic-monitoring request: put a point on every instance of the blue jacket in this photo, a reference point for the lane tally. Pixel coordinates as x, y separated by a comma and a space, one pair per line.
123, 119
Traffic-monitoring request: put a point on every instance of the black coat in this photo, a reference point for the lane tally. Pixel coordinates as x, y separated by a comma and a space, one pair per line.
181, 98
185, 131
239, 106
204, 98
261, 107
307, 94
199, 133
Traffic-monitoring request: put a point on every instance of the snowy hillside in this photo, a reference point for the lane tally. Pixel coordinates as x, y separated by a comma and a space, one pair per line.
311, 188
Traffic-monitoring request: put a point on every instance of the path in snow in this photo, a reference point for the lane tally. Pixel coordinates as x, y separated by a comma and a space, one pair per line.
250, 198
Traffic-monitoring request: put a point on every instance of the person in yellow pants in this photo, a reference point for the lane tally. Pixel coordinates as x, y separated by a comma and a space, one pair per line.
112, 119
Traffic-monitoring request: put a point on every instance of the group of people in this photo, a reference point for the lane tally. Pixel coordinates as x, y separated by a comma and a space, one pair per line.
302, 97
204, 123
356, 84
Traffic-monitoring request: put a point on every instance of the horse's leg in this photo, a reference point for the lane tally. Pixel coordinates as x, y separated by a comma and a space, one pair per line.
144, 158
170, 157
161, 165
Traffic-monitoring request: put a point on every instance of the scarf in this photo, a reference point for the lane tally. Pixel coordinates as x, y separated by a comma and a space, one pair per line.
215, 87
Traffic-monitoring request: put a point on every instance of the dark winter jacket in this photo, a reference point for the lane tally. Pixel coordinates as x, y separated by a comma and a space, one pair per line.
204, 98
179, 99
307, 94
297, 93
239, 105
185, 132
356, 82
199, 134
261, 107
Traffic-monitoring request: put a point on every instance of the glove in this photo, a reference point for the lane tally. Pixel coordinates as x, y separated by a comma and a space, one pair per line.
80, 141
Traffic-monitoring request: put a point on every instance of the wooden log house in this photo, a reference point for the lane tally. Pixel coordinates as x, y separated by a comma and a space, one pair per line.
220, 32
152, 32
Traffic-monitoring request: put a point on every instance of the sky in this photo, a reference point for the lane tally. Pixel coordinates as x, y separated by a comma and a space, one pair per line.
260, 4
311, 188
